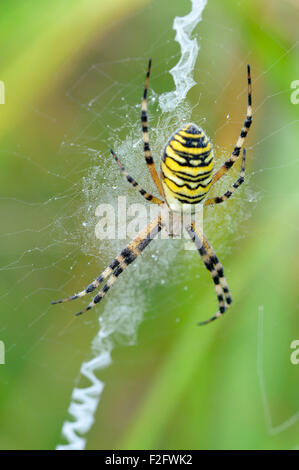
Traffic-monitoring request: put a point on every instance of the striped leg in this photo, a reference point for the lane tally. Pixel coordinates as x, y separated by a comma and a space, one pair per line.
213, 265
116, 263
236, 152
144, 123
104, 275
228, 194
218, 267
134, 183
127, 256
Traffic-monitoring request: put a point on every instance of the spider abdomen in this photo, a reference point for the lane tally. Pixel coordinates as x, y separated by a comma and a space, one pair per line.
186, 167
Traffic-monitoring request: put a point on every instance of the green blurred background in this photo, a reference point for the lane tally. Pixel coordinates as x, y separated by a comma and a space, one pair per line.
179, 386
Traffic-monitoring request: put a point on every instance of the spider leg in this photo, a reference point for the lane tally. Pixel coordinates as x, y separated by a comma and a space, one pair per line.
134, 183
106, 273
212, 263
236, 152
144, 123
119, 262
219, 269
129, 254
228, 194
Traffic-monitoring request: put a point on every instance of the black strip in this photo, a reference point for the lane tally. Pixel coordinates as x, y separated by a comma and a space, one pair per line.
228, 164
236, 151
218, 199
149, 160
191, 130
185, 184
203, 176
189, 177
144, 243
187, 155
128, 255
184, 195
189, 142
248, 122
114, 264
205, 163
191, 202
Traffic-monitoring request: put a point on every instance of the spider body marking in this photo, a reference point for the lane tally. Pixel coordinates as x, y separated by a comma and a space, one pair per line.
186, 168
186, 177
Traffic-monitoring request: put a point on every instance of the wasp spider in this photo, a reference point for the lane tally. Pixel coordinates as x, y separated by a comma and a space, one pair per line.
186, 177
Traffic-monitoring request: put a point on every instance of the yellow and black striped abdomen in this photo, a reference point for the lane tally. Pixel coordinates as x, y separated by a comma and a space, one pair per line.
186, 167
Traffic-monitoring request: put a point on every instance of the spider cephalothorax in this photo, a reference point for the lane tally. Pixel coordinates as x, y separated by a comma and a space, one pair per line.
186, 177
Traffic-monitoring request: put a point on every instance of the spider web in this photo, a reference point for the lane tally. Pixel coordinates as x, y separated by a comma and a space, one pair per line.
70, 237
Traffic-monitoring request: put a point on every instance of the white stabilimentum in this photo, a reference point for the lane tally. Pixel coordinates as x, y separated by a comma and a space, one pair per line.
183, 70
85, 400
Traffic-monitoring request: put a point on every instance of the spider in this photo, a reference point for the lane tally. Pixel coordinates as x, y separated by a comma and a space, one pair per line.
186, 177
